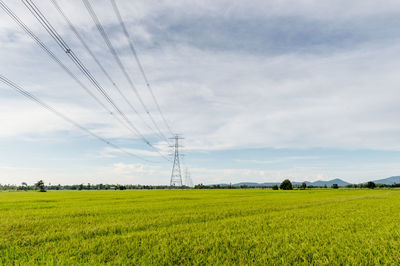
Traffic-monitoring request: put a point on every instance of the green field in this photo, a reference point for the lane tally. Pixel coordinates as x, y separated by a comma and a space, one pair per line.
252, 226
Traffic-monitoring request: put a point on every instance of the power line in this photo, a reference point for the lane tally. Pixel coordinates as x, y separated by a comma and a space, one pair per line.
176, 174
58, 61
119, 62
50, 53
53, 33
134, 53
55, 58
71, 54
66, 118
88, 49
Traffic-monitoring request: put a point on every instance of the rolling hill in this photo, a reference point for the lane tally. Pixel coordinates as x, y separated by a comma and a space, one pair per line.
388, 181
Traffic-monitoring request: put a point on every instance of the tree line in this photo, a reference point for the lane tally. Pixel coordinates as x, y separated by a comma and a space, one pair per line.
285, 185
42, 187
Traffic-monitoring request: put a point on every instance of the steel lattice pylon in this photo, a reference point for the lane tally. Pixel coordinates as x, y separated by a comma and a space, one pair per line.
176, 174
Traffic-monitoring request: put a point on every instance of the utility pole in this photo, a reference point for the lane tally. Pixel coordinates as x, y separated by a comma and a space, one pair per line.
176, 174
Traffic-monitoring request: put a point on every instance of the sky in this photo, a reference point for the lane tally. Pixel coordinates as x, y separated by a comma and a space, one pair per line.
261, 91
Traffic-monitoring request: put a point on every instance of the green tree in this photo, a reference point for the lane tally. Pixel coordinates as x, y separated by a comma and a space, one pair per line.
275, 187
303, 185
371, 185
199, 186
40, 185
335, 186
286, 185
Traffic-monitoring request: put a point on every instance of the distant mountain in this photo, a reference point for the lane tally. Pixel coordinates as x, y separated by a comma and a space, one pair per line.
249, 184
388, 181
318, 183
329, 183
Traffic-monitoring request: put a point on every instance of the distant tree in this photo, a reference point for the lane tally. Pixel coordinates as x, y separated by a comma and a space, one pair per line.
40, 185
371, 185
275, 187
80, 186
286, 185
24, 186
325, 186
243, 186
120, 187
335, 186
199, 186
303, 185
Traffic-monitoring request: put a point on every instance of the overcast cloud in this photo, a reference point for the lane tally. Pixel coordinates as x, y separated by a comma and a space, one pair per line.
230, 76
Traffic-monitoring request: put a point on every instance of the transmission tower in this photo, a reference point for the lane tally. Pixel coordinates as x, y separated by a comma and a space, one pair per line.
188, 180
176, 174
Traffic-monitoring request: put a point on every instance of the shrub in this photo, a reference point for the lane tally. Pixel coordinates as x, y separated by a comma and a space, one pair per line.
335, 186
275, 187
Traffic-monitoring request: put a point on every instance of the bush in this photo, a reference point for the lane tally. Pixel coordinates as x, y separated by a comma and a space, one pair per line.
335, 186
275, 187
286, 185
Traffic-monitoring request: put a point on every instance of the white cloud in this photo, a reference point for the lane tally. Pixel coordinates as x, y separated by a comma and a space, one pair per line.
323, 75
278, 160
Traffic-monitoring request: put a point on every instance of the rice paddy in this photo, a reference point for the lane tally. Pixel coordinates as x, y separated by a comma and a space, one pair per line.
242, 226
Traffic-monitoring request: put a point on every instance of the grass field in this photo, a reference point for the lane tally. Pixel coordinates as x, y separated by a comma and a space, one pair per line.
251, 226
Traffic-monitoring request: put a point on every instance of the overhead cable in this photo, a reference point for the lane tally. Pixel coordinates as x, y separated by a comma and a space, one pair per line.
136, 56
60, 41
64, 117
106, 39
102, 68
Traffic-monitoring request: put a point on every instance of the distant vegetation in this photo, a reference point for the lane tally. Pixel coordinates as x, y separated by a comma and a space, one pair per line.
39, 185
285, 185
42, 187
